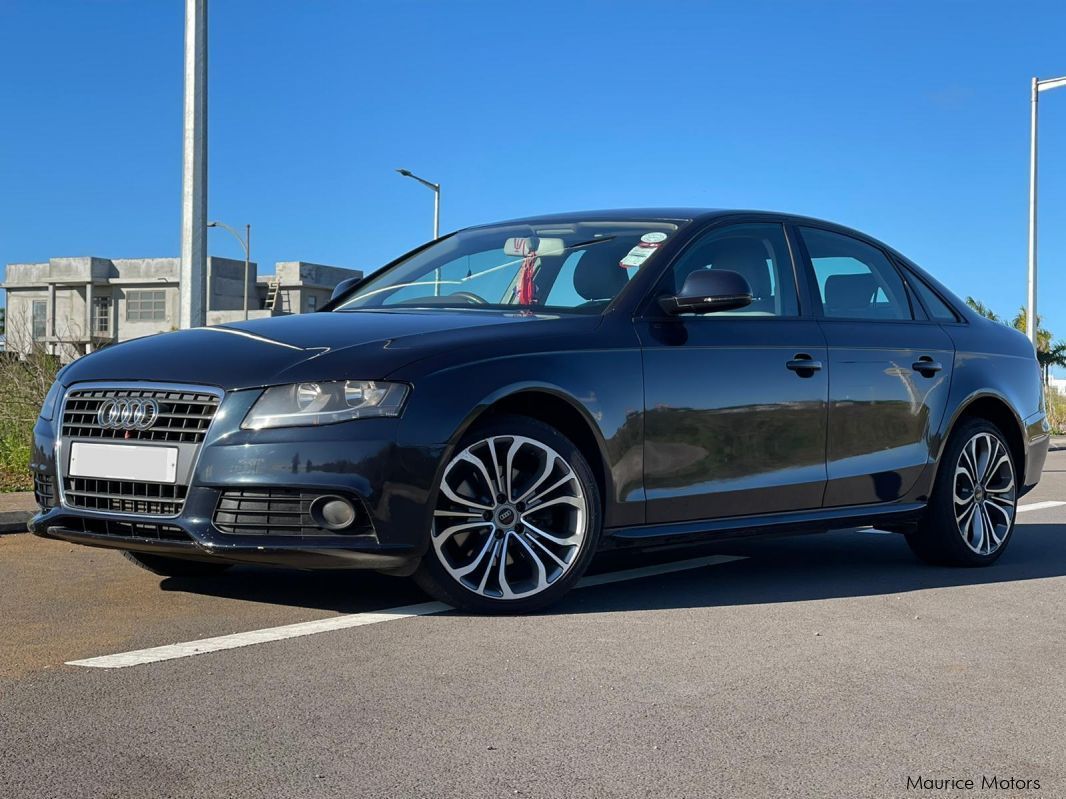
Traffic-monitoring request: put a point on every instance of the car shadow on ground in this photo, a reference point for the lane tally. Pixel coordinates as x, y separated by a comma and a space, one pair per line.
785, 569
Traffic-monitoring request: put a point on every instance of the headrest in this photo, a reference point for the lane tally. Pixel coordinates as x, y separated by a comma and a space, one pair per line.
598, 275
523, 246
746, 256
850, 292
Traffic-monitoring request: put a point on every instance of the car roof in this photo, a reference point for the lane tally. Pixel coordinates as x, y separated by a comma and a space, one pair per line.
668, 214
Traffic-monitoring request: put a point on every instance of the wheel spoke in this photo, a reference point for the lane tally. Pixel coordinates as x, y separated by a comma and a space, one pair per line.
565, 542
458, 500
448, 532
557, 484
977, 527
538, 564
577, 502
561, 563
465, 570
479, 465
549, 466
488, 569
505, 587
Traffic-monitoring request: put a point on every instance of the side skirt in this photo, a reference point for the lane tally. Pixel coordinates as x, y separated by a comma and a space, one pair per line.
897, 518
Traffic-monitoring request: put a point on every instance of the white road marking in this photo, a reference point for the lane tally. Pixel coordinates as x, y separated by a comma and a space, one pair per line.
1040, 506
237, 640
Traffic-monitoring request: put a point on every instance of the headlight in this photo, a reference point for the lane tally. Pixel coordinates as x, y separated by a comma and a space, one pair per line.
48, 407
325, 403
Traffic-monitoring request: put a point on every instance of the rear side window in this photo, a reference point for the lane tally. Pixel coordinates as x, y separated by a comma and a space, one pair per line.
855, 280
937, 308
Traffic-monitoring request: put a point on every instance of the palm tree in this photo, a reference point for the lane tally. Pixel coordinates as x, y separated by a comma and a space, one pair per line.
982, 309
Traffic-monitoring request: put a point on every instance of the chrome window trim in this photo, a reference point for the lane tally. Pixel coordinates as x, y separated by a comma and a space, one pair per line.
127, 385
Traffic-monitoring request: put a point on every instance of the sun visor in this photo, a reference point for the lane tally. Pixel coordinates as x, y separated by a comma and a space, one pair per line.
523, 246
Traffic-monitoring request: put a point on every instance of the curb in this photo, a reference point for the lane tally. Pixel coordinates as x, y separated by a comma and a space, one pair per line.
14, 521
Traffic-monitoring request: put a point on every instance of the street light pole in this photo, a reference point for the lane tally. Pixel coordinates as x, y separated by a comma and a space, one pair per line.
436, 216
1037, 87
246, 243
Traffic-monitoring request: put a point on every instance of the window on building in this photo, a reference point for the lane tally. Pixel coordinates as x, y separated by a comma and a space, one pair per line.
312, 303
40, 319
146, 305
102, 315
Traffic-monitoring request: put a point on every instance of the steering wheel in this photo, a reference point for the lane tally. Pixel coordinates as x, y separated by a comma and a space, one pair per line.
470, 296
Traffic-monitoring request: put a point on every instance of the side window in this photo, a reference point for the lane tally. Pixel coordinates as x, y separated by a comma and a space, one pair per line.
758, 252
855, 280
937, 308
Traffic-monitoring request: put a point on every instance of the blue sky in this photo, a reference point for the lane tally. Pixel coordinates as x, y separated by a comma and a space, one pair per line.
908, 120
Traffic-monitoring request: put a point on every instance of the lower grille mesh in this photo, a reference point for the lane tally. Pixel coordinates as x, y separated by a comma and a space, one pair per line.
278, 511
44, 491
124, 496
114, 528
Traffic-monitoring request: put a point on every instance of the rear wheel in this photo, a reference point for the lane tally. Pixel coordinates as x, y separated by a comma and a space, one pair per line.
972, 509
175, 567
517, 519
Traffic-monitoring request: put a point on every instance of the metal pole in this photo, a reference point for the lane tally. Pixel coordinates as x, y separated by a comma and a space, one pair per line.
436, 213
1030, 321
247, 265
192, 278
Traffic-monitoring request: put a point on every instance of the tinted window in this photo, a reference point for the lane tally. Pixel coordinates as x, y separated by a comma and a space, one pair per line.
937, 308
855, 280
758, 252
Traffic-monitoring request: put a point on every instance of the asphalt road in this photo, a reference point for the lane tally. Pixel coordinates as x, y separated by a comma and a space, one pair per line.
821, 666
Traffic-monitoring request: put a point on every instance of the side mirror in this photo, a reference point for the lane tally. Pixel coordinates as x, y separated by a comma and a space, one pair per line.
709, 290
343, 287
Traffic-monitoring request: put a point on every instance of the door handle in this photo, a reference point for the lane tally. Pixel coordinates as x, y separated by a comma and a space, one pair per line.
926, 366
803, 363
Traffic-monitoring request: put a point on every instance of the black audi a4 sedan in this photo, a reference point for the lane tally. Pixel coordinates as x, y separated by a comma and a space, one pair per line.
489, 410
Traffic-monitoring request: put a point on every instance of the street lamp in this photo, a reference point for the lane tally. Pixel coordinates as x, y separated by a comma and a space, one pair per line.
407, 173
246, 243
1038, 86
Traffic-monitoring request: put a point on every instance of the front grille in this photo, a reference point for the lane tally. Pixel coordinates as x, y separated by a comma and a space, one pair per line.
44, 491
278, 511
124, 496
184, 416
115, 528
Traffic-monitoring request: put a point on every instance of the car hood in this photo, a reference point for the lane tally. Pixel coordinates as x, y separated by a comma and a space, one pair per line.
317, 346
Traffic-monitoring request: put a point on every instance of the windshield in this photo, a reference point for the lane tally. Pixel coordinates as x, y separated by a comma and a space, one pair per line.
574, 267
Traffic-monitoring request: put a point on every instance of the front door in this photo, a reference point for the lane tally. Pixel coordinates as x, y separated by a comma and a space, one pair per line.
890, 371
735, 402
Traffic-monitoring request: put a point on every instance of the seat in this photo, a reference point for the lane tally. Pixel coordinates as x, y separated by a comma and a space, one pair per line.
849, 295
598, 276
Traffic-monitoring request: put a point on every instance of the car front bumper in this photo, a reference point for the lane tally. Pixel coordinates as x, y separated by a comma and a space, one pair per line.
390, 485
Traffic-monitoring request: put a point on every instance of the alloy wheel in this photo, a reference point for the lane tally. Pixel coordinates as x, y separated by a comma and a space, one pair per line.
511, 517
985, 493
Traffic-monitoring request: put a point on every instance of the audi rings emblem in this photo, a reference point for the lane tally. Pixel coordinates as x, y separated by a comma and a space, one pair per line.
128, 414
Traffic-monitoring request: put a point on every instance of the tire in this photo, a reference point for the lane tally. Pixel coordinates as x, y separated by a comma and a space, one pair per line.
175, 567
554, 519
962, 510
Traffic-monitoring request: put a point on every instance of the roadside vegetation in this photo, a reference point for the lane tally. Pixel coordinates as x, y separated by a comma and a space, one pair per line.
23, 384
1049, 352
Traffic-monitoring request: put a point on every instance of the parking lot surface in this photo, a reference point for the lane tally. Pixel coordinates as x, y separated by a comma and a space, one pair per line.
822, 666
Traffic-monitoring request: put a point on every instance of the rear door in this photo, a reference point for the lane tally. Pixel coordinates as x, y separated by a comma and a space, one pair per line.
889, 369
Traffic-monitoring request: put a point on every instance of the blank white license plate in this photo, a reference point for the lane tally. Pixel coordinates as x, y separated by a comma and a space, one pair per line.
124, 462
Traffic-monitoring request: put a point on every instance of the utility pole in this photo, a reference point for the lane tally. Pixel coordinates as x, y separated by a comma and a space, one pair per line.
193, 276
1034, 103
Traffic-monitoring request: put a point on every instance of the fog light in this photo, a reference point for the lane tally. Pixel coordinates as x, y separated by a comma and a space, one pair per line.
332, 512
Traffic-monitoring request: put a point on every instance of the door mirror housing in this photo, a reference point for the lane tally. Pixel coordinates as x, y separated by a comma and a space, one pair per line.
343, 286
707, 291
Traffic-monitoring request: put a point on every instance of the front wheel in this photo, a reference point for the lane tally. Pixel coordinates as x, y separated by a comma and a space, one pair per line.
971, 512
517, 519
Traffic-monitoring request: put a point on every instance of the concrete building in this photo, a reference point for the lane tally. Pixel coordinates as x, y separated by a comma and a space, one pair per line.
71, 306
